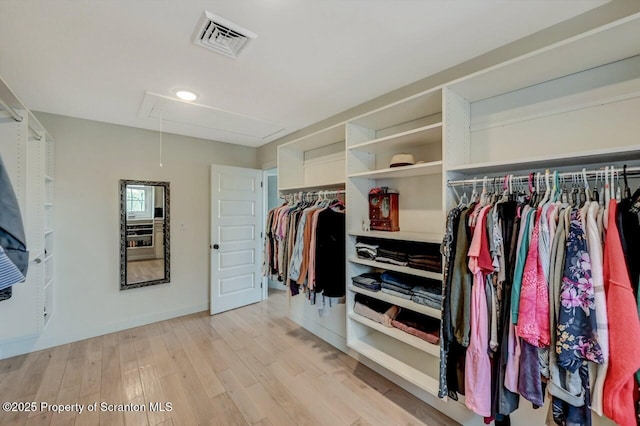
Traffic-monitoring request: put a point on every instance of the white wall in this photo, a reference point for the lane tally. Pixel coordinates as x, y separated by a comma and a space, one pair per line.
90, 158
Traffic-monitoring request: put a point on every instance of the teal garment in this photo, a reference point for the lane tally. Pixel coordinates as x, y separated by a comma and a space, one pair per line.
521, 258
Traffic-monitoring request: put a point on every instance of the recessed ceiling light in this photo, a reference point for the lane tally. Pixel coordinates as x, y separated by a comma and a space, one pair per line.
186, 95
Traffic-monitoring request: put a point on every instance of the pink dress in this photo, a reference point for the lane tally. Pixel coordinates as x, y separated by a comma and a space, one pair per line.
533, 312
477, 378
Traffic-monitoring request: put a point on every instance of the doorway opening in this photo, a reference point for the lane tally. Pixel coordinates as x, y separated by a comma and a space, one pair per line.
272, 201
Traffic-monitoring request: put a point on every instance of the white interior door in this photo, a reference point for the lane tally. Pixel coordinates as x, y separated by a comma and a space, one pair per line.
236, 242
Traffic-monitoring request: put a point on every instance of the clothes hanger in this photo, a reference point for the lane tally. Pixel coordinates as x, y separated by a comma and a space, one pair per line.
463, 201
618, 190
547, 189
483, 195
627, 190
607, 190
596, 195
474, 193
585, 195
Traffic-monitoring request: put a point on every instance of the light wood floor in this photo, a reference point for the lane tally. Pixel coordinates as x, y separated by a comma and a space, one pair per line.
247, 366
145, 270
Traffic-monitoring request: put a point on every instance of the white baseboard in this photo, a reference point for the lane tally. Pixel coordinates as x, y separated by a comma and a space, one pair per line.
43, 341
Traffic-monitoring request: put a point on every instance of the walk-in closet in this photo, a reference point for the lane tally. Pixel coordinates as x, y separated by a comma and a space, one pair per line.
320, 213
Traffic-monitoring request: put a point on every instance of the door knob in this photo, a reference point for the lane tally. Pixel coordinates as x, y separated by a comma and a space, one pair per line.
216, 246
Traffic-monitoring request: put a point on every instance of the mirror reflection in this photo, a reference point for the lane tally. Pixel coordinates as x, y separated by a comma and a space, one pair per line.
144, 229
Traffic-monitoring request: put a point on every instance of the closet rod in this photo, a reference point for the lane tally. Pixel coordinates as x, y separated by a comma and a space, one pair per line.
313, 193
590, 174
12, 112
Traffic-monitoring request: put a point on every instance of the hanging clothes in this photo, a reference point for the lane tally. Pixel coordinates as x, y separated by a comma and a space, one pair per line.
14, 257
541, 316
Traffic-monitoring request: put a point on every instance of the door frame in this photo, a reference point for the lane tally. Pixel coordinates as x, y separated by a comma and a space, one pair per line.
265, 210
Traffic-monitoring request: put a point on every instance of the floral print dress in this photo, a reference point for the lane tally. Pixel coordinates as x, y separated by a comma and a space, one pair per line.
577, 339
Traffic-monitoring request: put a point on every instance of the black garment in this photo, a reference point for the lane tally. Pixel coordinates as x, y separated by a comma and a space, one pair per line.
330, 254
6, 293
504, 402
629, 229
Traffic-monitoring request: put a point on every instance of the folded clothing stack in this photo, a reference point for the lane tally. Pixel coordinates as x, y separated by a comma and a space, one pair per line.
366, 251
418, 325
396, 285
376, 310
429, 294
394, 257
369, 281
426, 262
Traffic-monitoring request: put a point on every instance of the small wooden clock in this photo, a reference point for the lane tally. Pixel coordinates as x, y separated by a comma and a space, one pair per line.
383, 211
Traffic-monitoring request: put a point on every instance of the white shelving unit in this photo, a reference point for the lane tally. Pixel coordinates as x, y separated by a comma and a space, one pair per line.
27, 150
413, 126
569, 105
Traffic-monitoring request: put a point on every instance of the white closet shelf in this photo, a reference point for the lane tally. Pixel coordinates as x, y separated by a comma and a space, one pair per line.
422, 169
609, 155
421, 136
420, 105
587, 50
368, 347
325, 186
397, 268
398, 334
398, 301
324, 137
422, 237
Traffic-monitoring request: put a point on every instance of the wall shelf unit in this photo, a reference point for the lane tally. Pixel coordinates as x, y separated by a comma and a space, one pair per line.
422, 237
27, 150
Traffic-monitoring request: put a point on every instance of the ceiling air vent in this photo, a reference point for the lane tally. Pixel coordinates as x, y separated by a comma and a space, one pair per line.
218, 34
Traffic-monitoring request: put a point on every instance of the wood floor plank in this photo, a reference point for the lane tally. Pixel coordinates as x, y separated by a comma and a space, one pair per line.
131, 383
92, 371
67, 395
151, 385
41, 419
75, 365
189, 381
226, 412
164, 363
298, 413
52, 377
249, 410
111, 390
268, 405
136, 418
87, 417
182, 413
206, 375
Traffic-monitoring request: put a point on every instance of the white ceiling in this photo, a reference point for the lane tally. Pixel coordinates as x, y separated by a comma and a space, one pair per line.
312, 59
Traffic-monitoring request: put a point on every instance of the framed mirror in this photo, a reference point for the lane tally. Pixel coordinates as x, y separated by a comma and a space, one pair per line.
144, 233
